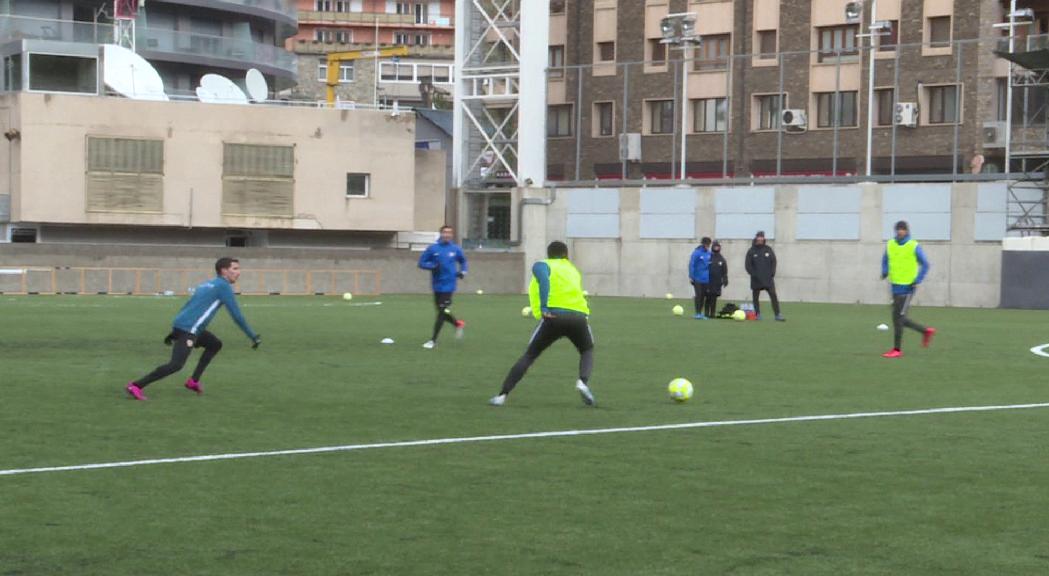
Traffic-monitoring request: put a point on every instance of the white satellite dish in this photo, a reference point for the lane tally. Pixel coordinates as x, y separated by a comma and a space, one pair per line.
220, 90
258, 89
130, 75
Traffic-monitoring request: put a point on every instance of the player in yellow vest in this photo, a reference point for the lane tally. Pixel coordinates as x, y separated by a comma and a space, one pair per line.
558, 302
905, 265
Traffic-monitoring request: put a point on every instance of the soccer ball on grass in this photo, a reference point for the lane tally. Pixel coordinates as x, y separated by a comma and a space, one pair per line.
680, 390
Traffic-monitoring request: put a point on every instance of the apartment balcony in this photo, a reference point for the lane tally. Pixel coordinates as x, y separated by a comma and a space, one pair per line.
371, 19
283, 11
1031, 52
315, 47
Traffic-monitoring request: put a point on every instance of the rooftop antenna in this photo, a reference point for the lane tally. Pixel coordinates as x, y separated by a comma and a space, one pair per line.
124, 14
130, 75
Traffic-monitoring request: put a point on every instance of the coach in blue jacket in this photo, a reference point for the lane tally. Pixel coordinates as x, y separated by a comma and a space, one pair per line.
699, 274
447, 265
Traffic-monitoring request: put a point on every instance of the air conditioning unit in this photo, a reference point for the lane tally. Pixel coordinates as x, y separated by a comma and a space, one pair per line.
994, 134
907, 114
630, 147
794, 120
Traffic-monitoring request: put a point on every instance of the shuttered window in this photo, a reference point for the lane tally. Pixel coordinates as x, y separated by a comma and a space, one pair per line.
258, 180
124, 175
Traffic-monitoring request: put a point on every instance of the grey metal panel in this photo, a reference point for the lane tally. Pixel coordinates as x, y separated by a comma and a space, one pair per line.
746, 200
593, 201
841, 226
5, 207
668, 201
1024, 278
916, 198
668, 225
829, 199
990, 226
743, 226
992, 197
924, 226
593, 225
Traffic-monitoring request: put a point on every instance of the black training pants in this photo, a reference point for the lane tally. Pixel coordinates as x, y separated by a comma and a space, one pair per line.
772, 296
575, 327
700, 298
182, 343
901, 305
443, 301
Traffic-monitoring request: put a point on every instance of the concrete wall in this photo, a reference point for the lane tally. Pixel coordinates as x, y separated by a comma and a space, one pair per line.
495, 272
48, 183
430, 206
616, 258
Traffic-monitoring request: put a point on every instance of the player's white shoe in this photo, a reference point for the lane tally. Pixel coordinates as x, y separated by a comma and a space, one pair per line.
430, 344
585, 393
498, 400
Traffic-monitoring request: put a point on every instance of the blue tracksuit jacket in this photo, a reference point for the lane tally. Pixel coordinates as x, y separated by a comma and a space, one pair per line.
444, 261
201, 308
923, 268
699, 266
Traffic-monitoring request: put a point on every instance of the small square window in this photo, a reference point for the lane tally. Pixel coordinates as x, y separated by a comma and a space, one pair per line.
767, 44
606, 51
940, 32
358, 185
657, 52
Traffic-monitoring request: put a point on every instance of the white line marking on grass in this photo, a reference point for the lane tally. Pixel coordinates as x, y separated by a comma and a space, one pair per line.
527, 435
1040, 350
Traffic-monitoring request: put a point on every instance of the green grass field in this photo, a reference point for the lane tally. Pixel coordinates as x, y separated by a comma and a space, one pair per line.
941, 494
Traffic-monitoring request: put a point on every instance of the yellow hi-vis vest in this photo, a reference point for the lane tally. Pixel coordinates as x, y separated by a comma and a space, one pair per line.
903, 262
566, 289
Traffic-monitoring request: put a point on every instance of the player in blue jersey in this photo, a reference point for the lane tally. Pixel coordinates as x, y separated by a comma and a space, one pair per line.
189, 330
447, 265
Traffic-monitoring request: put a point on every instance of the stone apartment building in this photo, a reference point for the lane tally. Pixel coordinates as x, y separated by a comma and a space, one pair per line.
427, 28
938, 55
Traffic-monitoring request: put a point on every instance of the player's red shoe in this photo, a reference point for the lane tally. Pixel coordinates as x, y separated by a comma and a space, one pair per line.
927, 337
193, 385
135, 392
460, 326
894, 353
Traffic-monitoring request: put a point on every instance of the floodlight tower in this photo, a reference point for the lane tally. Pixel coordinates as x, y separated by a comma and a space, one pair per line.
500, 68
124, 14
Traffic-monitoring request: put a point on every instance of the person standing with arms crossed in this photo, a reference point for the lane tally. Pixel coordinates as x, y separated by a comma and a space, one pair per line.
447, 265
761, 265
699, 274
905, 266
558, 302
189, 329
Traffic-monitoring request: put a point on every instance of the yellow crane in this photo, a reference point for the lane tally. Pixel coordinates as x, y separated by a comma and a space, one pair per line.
336, 58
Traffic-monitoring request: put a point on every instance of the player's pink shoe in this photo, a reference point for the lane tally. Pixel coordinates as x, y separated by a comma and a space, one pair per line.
927, 337
894, 353
193, 385
135, 392
460, 327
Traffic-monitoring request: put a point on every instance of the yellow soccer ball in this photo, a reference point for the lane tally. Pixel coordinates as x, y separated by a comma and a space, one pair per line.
739, 315
347, 296
680, 390
526, 312
677, 310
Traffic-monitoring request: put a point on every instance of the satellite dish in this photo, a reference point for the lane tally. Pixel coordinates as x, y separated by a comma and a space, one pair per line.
221, 90
130, 75
258, 89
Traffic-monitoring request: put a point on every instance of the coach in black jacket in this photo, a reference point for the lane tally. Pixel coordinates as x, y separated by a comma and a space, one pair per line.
761, 265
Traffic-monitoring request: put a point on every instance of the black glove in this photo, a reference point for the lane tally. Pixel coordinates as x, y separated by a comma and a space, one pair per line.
256, 341
461, 275
169, 339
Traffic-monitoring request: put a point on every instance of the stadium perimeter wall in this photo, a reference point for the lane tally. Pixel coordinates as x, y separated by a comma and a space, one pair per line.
495, 272
828, 239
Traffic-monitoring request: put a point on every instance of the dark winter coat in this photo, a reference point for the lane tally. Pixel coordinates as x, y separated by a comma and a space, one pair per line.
718, 274
761, 265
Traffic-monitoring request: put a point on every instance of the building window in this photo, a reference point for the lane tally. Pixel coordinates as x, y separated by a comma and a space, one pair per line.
885, 100
657, 52
943, 104
258, 180
888, 39
768, 108
606, 51
559, 121
940, 32
421, 40
838, 42
713, 52
346, 72
421, 14
557, 6
556, 61
358, 185
661, 117
328, 36
836, 109
709, 115
323, 5
404, 8
1001, 98
124, 175
767, 44
604, 117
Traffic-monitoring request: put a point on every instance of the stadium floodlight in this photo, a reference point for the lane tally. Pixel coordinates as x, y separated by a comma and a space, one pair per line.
853, 12
1022, 15
679, 29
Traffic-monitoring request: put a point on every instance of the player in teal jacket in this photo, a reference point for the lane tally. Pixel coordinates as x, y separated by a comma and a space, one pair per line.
189, 330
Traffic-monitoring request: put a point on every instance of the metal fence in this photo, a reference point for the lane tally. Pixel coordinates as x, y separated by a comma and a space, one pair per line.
936, 111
